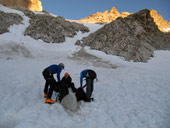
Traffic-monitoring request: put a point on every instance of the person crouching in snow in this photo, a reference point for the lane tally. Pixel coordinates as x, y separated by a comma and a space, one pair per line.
68, 81
48, 76
90, 75
64, 86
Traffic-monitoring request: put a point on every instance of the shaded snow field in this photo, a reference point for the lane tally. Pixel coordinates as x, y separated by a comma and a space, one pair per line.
127, 95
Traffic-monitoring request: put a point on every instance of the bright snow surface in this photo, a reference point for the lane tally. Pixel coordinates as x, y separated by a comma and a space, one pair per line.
127, 95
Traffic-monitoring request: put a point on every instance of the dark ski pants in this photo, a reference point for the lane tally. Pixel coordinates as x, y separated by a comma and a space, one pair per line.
50, 81
89, 88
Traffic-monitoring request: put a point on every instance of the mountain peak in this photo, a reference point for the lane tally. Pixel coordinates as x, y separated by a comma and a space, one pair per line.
114, 11
105, 17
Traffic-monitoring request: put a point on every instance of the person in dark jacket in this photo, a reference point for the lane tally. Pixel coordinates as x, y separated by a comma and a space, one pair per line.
50, 81
68, 81
64, 86
89, 75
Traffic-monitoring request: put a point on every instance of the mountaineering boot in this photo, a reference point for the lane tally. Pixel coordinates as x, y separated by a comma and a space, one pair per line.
49, 101
45, 95
89, 99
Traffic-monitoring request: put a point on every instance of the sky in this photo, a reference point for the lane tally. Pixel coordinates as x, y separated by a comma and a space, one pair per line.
78, 9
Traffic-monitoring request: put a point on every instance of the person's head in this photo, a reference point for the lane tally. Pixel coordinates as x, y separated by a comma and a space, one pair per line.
66, 75
61, 65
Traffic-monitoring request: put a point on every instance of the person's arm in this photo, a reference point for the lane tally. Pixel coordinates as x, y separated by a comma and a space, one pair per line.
73, 87
81, 79
70, 79
97, 79
82, 75
58, 77
84, 86
58, 74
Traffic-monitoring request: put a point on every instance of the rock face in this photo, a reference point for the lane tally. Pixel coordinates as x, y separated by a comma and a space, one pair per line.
158, 19
107, 17
51, 29
33, 5
7, 19
134, 37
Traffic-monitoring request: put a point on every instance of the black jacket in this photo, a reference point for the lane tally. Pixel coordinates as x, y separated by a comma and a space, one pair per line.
69, 83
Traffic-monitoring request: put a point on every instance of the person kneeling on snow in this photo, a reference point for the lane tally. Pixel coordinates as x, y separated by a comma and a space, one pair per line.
65, 84
68, 81
48, 76
89, 75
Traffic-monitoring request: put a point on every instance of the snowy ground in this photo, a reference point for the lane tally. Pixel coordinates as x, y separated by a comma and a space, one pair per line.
127, 95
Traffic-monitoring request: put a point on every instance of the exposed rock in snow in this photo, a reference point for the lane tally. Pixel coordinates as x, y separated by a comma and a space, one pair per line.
50, 28
134, 37
7, 19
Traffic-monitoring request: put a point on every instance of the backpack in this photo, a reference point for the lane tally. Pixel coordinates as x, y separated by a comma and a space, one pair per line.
91, 74
80, 94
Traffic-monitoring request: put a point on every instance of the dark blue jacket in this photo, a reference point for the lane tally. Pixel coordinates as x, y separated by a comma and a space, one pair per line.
55, 69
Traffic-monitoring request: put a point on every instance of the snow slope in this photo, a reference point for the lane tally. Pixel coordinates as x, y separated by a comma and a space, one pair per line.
127, 95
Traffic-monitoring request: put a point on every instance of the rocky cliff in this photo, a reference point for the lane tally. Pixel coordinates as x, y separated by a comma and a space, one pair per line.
134, 37
158, 19
33, 5
7, 19
107, 17
51, 29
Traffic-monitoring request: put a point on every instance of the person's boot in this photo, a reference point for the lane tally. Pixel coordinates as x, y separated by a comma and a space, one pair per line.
45, 95
49, 101
89, 99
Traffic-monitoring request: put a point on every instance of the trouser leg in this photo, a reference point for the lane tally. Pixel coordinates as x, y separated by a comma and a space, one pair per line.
46, 75
49, 81
89, 88
46, 87
56, 88
52, 88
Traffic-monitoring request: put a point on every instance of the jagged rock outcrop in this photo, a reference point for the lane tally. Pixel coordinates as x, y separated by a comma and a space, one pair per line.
33, 5
158, 19
134, 37
7, 19
50, 28
107, 17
